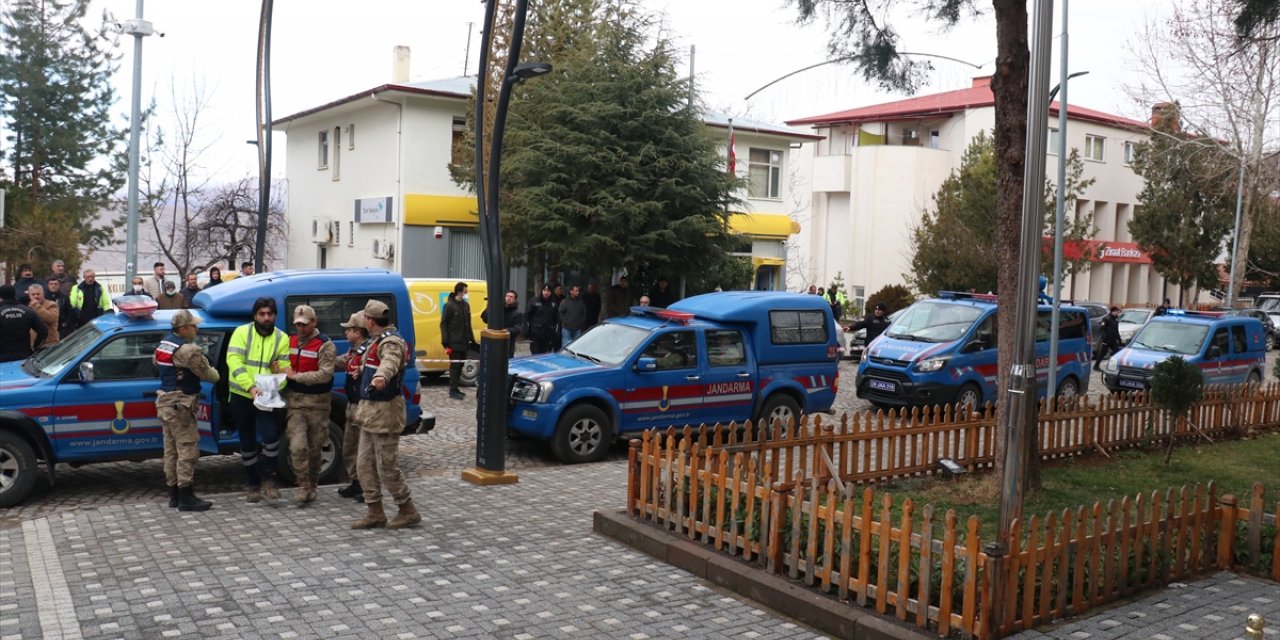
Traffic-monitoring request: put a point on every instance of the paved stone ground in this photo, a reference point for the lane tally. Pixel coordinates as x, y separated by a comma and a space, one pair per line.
501, 562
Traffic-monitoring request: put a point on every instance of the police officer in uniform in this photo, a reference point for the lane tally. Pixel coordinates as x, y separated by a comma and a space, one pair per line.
382, 419
17, 324
182, 365
352, 363
312, 359
875, 324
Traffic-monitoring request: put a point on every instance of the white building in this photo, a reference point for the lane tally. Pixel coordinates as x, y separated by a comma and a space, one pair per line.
877, 167
369, 184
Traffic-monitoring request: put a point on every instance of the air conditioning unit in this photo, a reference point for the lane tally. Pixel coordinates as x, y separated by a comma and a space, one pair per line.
384, 249
321, 230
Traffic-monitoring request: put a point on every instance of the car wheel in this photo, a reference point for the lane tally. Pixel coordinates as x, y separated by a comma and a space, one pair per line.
779, 411
471, 368
583, 434
1255, 377
969, 396
331, 466
1068, 391
17, 469
1270, 341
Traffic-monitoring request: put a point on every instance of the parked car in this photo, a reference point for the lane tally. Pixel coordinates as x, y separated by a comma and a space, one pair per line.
1132, 321
91, 397
718, 357
1228, 349
1270, 303
943, 351
1268, 327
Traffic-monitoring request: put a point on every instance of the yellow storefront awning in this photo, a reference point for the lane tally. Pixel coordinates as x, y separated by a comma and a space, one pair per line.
766, 262
764, 225
445, 211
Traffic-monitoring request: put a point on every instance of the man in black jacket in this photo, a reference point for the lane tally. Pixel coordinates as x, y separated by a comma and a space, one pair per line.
542, 322
512, 319
875, 324
26, 278
17, 323
1110, 337
456, 335
662, 295
591, 298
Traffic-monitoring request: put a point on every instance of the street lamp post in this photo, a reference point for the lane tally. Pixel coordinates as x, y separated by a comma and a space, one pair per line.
263, 112
491, 401
139, 29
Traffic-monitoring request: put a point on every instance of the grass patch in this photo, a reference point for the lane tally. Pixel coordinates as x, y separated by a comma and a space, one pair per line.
1233, 467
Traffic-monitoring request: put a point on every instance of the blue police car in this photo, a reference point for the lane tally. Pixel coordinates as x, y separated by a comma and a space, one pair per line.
719, 357
1227, 349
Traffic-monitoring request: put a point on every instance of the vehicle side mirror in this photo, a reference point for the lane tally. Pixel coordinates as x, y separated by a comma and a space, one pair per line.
1215, 352
86, 371
647, 364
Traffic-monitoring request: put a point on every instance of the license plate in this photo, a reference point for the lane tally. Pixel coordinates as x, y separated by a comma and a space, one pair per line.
883, 385
1132, 384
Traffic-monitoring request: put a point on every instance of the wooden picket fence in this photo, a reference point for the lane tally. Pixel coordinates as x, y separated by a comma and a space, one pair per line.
791, 505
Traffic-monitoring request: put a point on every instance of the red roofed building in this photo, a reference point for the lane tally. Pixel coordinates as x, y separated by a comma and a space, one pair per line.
877, 168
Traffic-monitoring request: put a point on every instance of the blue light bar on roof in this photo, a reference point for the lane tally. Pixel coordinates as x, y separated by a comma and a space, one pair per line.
967, 295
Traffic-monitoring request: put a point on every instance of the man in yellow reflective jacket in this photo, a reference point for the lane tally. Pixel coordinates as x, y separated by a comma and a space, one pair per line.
257, 348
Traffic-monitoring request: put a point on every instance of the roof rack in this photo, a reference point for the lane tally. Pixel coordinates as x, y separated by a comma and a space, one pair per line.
967, 295
680, 317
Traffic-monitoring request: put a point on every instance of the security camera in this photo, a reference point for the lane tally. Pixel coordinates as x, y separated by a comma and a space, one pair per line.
439, 232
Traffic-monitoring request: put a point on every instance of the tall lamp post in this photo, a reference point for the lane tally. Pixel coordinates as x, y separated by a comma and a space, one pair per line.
263, 113
139, 29
491, 403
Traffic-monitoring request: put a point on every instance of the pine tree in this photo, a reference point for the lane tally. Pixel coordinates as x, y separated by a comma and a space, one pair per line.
606, 165
61, 149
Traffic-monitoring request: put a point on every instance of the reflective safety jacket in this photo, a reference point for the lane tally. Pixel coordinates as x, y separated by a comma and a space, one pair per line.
305, 358
172, 377
250, 355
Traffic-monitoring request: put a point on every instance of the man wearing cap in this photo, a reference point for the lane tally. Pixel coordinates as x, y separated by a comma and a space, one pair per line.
352, 363
382, 419
1110, 338
257, 348
182, 365
312, 358
875, 324
1163, 308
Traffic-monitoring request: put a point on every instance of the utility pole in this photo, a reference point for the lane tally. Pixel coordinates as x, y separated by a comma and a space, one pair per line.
139, 29
466, 56
263, 112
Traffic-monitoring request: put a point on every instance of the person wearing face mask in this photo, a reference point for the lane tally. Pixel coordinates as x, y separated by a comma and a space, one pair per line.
139, 289
456, 335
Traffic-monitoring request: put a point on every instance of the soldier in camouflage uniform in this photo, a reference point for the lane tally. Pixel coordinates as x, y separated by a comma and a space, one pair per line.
382, 418
312, 359
353, 363
181, 365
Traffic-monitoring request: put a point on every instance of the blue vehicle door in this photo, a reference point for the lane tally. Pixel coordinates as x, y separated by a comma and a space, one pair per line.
105, 405
1217, 357
210, 410
1242, 358
729, 378
663, 383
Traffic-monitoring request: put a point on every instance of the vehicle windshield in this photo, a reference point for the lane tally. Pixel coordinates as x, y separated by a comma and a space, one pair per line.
53, 360
607, 343
1173, 337
1269, 304
931, 321
1135, 316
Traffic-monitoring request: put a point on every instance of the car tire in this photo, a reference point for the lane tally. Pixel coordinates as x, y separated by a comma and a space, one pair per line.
1255, 377
17, 469
969, 395
583, 434
778, 407
470, 369
331, 467
1270, 342
1068, 391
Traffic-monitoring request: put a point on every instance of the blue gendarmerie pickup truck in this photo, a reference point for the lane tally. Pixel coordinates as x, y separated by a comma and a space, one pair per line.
91, 397
718, 357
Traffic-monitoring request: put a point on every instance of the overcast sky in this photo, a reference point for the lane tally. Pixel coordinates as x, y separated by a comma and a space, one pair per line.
326, 49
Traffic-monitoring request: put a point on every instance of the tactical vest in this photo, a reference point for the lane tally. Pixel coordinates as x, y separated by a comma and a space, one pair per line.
371, 362
306, 358
172, 377
352, 384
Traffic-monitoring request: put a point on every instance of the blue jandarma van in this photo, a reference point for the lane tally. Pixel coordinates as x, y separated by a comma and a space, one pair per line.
1228, 349
943, 351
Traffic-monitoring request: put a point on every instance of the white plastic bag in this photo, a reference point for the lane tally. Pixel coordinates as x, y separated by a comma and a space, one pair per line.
268, 385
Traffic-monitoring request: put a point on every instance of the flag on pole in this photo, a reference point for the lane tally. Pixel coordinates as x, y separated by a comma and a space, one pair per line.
733, 152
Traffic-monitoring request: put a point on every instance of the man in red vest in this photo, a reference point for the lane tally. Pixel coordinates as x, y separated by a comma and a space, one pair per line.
312, 358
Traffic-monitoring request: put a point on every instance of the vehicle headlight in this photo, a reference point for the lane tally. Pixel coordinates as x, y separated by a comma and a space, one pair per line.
530, 391
863, 356
1109, 366
930, 365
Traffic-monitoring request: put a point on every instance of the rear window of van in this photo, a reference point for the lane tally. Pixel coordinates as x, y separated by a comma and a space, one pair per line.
798, 327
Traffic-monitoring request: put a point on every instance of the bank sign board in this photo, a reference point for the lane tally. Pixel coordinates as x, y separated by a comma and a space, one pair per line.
1101, 251
373, 210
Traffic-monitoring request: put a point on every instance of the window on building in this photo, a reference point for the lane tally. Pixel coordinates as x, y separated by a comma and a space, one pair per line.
1129, 148
322, 155
765, 174
1053, 141
351, 233
458, 146
1095, 148
337, 153
935, 139
351, 136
